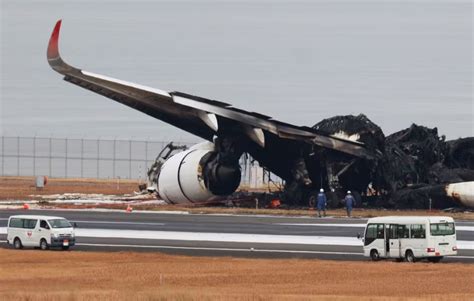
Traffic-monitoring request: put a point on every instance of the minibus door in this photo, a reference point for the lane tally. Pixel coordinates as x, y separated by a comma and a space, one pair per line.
393, 246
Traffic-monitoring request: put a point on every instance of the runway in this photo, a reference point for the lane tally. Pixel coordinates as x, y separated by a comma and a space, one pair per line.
225, 235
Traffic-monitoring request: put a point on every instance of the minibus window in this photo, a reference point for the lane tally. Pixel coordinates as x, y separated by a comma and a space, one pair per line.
29, 223
418, 231
373, 231
403, 231
380, 233
44, 224
60, 223
16, 223
442, 229
393, 233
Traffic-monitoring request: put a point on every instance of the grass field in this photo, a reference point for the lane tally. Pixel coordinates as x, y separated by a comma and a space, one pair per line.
75, 275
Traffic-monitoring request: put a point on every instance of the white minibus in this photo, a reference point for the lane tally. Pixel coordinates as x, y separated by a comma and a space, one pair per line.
410, 238
40, 231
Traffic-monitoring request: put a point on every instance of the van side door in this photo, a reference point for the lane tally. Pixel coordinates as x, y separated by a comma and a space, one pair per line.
42, 231
29, 226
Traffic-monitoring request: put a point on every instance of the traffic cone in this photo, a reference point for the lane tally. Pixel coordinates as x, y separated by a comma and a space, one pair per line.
129, 209
26, 206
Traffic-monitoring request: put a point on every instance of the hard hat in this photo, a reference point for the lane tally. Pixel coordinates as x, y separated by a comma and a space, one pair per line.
348, 192
321, 190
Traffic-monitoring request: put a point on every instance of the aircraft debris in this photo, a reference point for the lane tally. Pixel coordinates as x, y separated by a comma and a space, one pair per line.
412, 168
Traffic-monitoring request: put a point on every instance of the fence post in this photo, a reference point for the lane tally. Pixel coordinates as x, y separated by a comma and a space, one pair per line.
65, 161
50, 157
113, 159
146, 155
98, 157
3, 156
130, 159
82, 158
34, 156
18, 155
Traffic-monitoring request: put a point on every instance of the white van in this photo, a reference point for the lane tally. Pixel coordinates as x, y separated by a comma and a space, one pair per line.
40, 231
410, 238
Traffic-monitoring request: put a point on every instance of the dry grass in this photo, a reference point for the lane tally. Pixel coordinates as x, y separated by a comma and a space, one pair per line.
78, 275
20, 188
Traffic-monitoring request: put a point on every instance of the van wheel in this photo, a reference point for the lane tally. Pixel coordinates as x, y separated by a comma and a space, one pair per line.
17, 244
435, 259
43, 244
374, 254
409, 257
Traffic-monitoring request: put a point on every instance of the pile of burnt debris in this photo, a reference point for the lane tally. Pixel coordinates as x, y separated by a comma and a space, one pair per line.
411, 167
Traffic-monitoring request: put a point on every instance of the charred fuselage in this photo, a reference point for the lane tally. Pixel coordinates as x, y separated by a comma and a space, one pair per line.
411, 167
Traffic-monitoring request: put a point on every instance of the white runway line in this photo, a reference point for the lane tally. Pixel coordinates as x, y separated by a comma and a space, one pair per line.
111, 222
323, 225
118, 223
219, 249
230, 237
219, 237
458, 228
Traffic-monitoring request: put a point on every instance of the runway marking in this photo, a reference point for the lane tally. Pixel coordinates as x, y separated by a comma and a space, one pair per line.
111, 222
220, 249
231, 249
219, 237
230, 237
119, 223
322, 225
458, 228
214, 237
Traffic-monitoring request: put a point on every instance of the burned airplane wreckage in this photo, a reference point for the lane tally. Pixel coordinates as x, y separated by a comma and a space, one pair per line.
412, 168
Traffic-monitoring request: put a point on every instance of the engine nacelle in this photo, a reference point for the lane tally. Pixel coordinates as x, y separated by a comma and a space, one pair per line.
192, 176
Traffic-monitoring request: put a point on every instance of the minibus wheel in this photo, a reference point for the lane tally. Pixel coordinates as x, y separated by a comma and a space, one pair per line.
409, 257
17, 243
43, 244
374, 254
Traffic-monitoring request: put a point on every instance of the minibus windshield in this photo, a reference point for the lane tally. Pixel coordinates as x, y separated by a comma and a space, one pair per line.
442, 229
59, 223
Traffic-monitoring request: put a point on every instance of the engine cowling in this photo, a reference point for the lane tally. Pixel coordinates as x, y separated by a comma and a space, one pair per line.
194, 176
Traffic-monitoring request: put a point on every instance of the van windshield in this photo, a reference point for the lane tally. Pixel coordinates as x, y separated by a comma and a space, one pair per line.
59, 223
442, 229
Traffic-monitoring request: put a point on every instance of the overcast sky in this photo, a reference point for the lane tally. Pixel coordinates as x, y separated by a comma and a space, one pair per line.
398, 62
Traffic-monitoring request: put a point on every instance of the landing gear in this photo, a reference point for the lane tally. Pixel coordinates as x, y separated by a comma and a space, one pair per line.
312, 200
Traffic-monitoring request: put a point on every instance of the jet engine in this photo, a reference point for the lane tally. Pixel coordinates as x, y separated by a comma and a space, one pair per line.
197, 175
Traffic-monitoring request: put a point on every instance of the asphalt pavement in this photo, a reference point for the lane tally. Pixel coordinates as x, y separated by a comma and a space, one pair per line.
257, 236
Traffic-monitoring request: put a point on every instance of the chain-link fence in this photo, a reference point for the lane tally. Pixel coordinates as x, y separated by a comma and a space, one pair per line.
93, 158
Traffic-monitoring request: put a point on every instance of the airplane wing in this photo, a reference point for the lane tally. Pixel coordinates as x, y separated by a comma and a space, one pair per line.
199, 116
